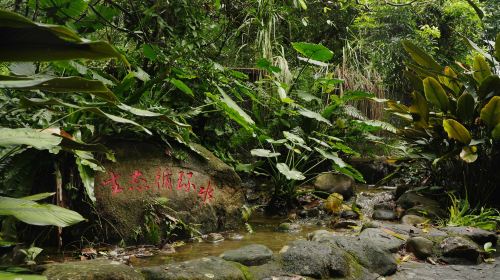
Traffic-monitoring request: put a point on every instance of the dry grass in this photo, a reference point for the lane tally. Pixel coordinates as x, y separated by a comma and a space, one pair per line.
359, 75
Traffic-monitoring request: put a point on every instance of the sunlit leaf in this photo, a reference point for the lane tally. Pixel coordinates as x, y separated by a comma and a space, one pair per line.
468, 155
419, 110
457, 131
313, 115
34, 213
435, 93
28, 136
263, 153
490, 113
481, 69
332, 156
289, 174
313, 51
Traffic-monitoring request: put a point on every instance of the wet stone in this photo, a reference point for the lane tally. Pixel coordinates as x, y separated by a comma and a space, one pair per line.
385, 215
254, 254
335, 183
420, 246
345, 224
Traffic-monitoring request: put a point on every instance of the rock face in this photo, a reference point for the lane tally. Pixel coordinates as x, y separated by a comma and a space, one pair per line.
204, 268
254, 254
92, 270
385, 215
335, 183
417, 204
200, 189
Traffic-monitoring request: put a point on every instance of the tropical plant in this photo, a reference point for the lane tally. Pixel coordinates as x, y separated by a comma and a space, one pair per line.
453, 115
461, 214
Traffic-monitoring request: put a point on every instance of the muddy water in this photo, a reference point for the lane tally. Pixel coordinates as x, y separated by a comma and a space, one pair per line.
264, 233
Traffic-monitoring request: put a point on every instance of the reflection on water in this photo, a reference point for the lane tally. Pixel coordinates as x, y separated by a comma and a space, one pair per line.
264, 233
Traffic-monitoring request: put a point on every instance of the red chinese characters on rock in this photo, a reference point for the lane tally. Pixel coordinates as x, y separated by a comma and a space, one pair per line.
162, 181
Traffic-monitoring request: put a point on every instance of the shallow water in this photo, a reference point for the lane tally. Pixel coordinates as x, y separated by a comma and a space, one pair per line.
264, 233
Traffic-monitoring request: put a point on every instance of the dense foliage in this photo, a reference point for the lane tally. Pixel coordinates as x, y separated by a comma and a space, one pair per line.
294, 87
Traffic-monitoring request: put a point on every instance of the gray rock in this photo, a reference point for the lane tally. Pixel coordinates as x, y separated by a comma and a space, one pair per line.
384, 206
406, 230
368, 255
413, 220
204, 268
385, 215
335, 183
349, 214
420, 246
308, 258
478, 235
254, 254
430, 211
460, 248
289, 227
381, 239
94, 269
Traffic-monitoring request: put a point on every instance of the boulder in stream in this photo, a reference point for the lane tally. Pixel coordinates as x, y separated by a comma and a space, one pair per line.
254, 254
148, 179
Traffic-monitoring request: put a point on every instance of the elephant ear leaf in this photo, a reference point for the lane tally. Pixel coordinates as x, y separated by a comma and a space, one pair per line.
435, 93
490, 113
481, 69
450, 80
457, 131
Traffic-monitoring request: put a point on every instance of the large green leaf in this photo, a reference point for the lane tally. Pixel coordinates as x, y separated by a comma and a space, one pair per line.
419, 110
495, 133
313, 51
465, 107
28, 136
290, 174
59, 85
88, 180
435, 93
264, 153
456, 131
450, 80
18, 276
481, 68
25, 40
490, 113
34, 213
420, 57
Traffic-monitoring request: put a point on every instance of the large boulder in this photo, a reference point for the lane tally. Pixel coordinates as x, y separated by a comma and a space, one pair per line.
478, 235
199, 269
91, 270
198, 189
335, 183
309, 258
254, 254
381, 239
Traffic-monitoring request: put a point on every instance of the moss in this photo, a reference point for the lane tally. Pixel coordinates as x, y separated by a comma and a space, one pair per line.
244, 269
